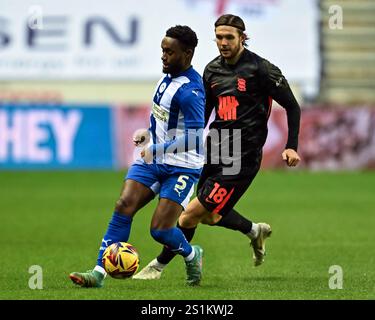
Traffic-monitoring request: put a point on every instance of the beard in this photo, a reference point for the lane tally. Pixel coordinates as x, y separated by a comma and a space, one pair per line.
172, 69
230, 53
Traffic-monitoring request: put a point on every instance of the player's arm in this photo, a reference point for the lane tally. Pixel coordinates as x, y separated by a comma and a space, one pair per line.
209, 103
183, 143
192, 103
192, 106
278, 88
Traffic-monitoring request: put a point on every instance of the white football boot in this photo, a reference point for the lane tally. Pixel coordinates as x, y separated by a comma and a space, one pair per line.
149, 272
259, 243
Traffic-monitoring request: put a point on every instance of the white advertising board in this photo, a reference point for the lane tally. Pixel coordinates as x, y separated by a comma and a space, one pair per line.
120, 39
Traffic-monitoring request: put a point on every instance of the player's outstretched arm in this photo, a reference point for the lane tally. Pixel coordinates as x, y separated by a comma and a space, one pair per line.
184, 143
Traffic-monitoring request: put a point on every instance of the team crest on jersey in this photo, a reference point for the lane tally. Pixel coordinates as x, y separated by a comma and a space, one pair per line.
241, 84
162, 87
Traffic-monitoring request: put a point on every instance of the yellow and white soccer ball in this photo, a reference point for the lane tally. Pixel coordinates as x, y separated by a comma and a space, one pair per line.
120, 260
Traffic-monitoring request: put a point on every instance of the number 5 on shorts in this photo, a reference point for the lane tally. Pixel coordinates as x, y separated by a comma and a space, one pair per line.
181, 184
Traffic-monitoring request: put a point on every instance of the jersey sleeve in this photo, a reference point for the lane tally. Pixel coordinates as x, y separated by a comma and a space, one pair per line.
209, 101
192, 102
276, 86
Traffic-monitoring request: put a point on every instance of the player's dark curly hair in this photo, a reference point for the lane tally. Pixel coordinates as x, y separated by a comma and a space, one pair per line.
184, 35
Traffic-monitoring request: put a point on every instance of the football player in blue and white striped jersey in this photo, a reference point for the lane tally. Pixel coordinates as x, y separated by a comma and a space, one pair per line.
170, 163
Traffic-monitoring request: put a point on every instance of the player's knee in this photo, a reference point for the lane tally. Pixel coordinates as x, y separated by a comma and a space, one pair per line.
188, 220
211, 219
125, 205
182, 220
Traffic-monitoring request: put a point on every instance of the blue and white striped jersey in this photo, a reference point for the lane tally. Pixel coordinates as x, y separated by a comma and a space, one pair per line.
178, 105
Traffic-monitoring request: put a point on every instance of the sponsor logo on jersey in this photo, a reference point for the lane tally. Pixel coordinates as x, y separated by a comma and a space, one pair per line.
159, 113
228, 108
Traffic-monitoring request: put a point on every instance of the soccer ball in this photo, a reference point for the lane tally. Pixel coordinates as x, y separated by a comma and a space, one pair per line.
120, 260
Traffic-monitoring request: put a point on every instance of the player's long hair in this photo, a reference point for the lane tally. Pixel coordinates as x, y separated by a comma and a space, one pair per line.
233, 21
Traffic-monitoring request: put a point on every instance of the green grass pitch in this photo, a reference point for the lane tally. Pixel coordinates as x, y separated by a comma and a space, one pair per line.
56, 220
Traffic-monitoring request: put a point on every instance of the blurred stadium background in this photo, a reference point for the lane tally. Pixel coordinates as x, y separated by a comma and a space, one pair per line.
77, 77
77, 72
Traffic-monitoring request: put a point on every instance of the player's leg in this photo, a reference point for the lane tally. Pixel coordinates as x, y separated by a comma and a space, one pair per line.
256, 232
188, 221
219, 194
164, 231
155, 267
176, 190
192, 215
216, 211
134, 196
233, 220
226, 192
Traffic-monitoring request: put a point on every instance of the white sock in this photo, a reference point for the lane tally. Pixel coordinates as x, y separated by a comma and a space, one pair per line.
254, 232
157, 265
101, 270
190, 256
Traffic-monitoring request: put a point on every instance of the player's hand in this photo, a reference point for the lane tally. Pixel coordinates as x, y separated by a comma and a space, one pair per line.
291, 157
147, 155
141, 137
